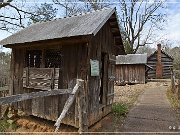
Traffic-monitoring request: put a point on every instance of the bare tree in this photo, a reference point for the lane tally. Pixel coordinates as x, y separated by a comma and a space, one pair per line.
77, 6
13, 19
139, 19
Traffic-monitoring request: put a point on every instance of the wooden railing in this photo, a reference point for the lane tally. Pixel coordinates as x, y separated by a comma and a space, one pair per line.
175, 84
76, 92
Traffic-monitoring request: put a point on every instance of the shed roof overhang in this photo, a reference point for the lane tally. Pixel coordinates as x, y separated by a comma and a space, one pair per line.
64, 29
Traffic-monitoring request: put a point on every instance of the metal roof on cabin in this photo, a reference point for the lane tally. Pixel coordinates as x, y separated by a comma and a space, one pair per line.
131, 59
85, 24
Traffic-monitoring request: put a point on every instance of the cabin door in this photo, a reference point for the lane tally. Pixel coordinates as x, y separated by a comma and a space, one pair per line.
111, 78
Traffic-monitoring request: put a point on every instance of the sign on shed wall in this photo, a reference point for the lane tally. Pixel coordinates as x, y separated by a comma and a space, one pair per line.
94, 67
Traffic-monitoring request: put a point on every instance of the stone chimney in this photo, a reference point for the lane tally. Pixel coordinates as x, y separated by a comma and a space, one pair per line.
159, 68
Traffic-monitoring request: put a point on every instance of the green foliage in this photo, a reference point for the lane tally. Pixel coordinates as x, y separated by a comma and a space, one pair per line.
177, 74
45, 12
5, 59
5, 125
119, 109
127, 47
174, 101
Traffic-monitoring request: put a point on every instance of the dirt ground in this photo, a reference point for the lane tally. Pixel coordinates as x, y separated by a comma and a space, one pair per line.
123, 94
128, 94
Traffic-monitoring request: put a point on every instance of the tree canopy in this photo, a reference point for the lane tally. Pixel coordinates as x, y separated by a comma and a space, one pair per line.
43, 13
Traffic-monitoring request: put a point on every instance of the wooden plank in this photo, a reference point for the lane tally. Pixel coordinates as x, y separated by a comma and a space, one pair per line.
68, 103
27, 76
32, 95
82, 108
39, 83
52, 78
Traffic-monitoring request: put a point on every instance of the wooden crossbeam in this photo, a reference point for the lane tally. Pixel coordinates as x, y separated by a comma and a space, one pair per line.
32, 95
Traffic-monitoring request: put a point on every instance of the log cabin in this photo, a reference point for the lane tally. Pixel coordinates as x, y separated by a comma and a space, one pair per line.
50, 55
161, 62
131, 69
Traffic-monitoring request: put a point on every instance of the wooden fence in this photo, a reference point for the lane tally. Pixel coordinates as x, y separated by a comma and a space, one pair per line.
4, 88
175, 84
76, 92
4, 81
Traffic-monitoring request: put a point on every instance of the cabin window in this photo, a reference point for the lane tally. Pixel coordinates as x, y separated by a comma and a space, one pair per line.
33, 58
53, 59
48, 58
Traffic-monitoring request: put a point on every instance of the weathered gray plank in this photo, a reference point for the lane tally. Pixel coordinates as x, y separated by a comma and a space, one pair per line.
32, 95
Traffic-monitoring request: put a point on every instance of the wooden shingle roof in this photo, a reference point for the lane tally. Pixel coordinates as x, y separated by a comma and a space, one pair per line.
77, 25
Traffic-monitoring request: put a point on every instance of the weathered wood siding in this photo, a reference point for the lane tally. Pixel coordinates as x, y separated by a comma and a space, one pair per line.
74, 66
167, 63
100, 49
130, 74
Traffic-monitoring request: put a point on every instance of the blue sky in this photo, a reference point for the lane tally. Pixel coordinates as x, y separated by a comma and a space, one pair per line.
171, 33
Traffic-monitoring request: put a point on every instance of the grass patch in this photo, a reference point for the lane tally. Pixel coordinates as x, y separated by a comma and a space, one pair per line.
119, 109
4, 125
174, 101
7, 125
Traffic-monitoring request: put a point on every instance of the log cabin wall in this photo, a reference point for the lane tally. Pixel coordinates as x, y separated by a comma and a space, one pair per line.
166, 62
130, 74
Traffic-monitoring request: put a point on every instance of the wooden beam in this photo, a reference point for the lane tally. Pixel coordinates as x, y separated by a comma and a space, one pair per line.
82, 108
32, 95
52, 42
68, 103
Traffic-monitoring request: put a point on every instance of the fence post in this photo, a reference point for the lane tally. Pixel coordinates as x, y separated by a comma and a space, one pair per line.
82, 107
178, 89
69, 102
172, 81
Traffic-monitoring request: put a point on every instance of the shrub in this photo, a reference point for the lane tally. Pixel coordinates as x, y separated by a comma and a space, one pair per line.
120, 109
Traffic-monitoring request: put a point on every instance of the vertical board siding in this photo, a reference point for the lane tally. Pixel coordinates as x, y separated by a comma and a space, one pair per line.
75, 64
101, 44
126, 74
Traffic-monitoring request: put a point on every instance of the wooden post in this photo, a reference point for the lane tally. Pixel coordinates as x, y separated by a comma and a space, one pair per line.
178, 89
0, 105
52, 77
82, 107
68, 103
27, 76
172, 81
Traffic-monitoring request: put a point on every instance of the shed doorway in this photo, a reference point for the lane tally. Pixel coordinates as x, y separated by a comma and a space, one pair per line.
103, 79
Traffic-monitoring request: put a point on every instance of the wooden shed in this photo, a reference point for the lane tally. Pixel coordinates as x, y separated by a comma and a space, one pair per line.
131, 68
161, 62
50, 55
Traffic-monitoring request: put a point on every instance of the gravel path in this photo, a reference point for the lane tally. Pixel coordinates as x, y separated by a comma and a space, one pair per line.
152, 113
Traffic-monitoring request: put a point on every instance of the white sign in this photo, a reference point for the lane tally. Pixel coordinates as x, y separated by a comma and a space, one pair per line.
94, 67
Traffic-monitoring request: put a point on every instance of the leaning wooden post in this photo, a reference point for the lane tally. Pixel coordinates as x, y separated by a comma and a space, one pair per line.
69, 102
82, 108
